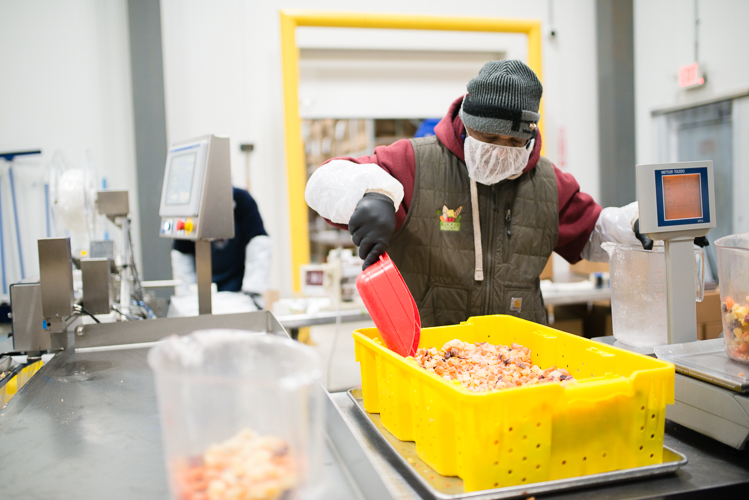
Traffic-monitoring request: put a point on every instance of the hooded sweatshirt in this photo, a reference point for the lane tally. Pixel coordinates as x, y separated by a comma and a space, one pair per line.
578, 212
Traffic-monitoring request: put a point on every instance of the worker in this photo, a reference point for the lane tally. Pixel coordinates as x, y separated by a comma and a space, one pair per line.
239, 264
471, 215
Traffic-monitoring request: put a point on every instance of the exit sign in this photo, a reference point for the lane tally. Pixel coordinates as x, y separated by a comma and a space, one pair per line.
689, 76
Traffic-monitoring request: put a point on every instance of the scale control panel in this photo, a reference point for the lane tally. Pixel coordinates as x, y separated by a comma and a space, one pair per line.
676, 198
182, 227
196, 196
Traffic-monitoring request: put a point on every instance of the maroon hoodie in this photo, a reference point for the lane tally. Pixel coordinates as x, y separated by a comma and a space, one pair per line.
578, 212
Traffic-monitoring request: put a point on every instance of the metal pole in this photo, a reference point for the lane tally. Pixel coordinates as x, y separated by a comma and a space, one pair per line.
682, 310
2, 246
47, 209
125, 274
203, 271
15, 219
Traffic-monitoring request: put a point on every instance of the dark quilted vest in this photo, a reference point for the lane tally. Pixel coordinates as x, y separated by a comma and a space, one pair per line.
519, 222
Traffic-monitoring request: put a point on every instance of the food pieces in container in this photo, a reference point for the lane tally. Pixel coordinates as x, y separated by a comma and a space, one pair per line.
213, 386
486, 367
245, 467
736, 329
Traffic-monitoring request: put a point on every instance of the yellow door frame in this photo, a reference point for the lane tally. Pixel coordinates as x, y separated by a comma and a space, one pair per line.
290, 20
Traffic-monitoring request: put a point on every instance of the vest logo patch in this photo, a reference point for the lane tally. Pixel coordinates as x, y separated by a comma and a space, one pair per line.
449, 219
516, 304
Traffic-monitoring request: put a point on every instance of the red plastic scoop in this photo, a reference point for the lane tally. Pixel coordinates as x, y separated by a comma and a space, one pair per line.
391, 306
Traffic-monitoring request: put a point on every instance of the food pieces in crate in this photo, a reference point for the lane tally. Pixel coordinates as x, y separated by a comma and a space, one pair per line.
245, 467
736, 328
487, 367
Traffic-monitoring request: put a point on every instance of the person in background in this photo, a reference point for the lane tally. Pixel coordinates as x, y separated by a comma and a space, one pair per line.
471, 215
426, 127
240, 264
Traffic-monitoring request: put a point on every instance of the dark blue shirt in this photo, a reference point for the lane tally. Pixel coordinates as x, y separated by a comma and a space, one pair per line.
227, 256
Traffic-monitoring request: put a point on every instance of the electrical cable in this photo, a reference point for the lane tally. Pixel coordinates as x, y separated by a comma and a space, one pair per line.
136, 276
137, 310
145, 309
70, 319
129, 317
149, 314
82, 309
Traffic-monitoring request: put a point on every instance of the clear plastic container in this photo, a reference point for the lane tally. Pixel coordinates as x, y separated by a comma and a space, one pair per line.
639, 312
241, 415
733, 279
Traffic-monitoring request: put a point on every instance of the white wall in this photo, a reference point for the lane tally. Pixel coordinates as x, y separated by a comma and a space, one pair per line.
361, 83
223, 75
65, 86
375, 73
664, 41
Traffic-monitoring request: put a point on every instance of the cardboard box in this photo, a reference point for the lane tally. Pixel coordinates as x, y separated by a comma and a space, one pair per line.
596, 320
710, 330
709, 309
709, 322
574, 326
585, 267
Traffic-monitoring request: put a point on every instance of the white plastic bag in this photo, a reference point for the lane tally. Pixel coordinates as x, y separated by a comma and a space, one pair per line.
335, 188
183, 269
257, 265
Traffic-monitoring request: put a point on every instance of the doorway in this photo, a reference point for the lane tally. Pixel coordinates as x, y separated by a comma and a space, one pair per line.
290, 52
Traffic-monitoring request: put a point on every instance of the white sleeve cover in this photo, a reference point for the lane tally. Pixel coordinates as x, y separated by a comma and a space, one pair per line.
183, 269
614, 225
257, 265
336, 187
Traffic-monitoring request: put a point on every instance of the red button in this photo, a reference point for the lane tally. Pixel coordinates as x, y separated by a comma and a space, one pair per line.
180, 225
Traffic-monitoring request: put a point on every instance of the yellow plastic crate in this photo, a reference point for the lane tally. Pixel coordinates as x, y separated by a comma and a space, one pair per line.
613, 418
9, 389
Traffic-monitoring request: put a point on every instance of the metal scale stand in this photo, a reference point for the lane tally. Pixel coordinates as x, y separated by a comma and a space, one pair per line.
197, 202
677, 204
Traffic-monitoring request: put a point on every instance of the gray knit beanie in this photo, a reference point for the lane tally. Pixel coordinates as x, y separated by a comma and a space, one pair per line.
503, 99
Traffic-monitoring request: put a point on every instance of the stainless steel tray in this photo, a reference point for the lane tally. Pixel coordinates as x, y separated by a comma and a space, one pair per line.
451, 488
707, 360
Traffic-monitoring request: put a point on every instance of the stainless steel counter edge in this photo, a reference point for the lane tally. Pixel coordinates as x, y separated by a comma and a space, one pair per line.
135, 332
350, 449
376, 453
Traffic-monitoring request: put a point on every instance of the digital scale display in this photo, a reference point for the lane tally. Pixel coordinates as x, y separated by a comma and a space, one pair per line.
179, 184
681, 196
196, 201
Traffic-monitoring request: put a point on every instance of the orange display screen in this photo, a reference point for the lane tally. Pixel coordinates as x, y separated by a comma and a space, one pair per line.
682, 197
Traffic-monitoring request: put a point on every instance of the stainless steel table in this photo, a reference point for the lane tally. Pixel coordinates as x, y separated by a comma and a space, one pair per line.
86, 427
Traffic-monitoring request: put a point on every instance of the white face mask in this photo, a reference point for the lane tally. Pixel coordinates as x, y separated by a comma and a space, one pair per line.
491, 163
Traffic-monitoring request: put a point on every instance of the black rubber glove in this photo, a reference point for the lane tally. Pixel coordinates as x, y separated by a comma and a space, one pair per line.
371, 226
701, 241
647, 243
